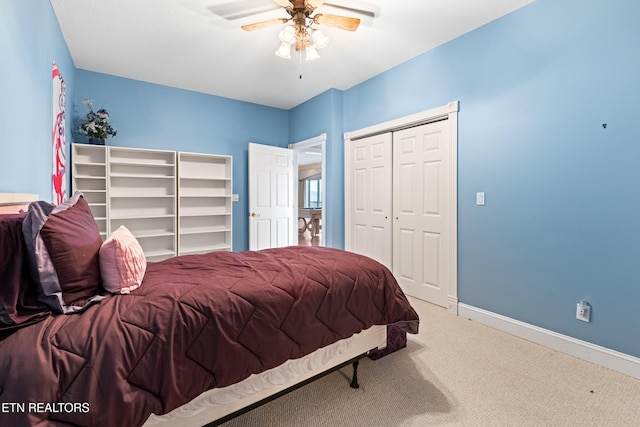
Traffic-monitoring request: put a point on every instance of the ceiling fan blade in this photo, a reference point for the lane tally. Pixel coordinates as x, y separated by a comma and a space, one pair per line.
314, 3
365, 9
263, 24
284, 3
342, 22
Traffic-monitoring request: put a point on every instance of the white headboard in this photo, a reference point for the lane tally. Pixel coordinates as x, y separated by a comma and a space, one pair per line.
14, 202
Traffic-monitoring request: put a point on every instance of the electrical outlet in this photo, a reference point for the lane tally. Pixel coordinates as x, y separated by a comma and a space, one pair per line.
583, 311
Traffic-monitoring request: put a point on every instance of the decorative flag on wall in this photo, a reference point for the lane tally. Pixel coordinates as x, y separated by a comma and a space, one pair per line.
59, 179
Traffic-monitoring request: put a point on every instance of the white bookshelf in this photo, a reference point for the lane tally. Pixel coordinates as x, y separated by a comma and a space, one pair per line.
89, 175
204, 203
174, 203
142, 197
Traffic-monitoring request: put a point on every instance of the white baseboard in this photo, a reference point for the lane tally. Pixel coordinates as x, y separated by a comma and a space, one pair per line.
620, 362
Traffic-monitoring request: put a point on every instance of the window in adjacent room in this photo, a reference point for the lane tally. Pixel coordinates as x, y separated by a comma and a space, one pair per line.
312, 196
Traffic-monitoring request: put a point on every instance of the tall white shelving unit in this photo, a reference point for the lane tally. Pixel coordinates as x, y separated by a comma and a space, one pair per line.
204, 203
142, 197
174, 203
89, 175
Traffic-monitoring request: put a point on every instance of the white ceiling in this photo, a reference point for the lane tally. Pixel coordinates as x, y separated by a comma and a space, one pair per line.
181, 43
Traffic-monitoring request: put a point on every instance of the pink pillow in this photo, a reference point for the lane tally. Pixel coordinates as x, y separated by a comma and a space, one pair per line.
122, 262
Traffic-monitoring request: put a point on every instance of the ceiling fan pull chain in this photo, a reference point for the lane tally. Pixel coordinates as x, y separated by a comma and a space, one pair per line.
300, 63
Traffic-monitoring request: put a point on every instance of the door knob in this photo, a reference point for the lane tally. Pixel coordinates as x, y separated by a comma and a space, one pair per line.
255, 215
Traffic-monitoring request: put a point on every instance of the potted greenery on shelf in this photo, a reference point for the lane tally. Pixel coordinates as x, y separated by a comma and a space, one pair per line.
97, 126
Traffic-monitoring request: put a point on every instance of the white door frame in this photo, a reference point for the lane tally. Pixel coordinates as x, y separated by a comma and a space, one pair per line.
301, 146
450, 112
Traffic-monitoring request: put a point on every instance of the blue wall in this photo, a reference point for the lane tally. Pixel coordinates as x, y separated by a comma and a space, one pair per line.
153, 116
534, 88
561, 219
323, 114
30, 41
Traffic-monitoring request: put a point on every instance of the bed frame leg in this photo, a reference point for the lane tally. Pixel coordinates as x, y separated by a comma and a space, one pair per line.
354, 379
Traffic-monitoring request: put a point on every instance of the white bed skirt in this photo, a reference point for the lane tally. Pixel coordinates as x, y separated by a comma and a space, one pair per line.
220, 402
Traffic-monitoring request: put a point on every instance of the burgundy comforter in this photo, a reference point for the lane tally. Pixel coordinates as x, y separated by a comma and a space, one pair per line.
197, 322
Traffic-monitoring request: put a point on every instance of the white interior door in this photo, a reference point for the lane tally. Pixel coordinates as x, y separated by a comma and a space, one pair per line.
369, 207
421, 240
272, 214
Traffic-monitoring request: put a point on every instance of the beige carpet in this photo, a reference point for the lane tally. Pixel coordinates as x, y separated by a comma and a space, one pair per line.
460, 373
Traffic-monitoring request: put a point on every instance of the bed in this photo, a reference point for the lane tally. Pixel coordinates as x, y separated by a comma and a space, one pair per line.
196, 340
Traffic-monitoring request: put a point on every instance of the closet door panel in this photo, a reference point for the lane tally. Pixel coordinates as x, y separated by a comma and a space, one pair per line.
431, 243
360, 191
431, 190
369, 202
420, 185
405, 265
405, 188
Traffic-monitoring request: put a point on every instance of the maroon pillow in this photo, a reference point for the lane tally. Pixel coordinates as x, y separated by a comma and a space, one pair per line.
18, 305
64, 242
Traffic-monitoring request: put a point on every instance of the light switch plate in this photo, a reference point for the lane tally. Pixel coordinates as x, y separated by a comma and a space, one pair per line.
480, 198
235, 197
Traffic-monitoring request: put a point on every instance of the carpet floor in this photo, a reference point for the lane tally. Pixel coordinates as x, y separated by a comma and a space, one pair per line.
457, 372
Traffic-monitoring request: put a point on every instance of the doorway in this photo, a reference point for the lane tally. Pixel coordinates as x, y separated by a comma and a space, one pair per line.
310, 197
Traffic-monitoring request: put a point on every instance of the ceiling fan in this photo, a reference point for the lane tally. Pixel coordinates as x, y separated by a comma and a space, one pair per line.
301, 10
301, 18
299, 32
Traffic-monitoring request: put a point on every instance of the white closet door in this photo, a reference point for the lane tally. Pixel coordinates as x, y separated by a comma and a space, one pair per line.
369, 198
421, 211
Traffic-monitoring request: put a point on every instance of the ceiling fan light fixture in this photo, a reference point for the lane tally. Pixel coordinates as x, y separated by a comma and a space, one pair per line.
284, 51
288, 35
320, 41
311, 53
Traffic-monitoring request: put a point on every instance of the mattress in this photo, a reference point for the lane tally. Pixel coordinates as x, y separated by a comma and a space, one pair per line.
217, 403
